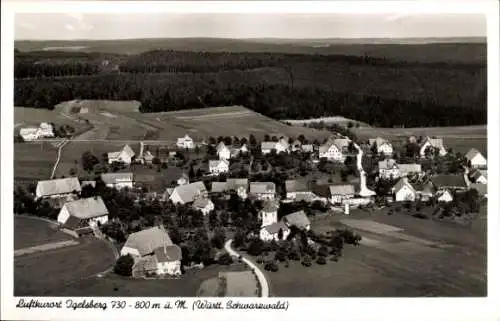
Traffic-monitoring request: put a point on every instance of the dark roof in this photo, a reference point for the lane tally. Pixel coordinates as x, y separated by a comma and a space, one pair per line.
219, 187
275, 227
146, 241
298, 219
168, 253
452, 181
297, 185
322, 190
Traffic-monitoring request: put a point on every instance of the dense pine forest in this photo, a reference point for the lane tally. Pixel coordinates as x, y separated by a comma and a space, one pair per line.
377, 91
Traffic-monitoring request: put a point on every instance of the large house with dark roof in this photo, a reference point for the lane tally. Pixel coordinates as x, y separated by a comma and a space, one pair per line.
340, 193
188, 193
58, 188
263, 190
298, 219
86, 211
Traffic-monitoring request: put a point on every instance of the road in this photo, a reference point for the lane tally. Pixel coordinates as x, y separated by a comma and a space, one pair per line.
260, 276
59, 151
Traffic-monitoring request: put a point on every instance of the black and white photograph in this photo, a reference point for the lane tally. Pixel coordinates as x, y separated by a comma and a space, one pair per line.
248, 155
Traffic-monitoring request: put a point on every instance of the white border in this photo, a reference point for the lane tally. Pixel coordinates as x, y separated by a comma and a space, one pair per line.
366, 309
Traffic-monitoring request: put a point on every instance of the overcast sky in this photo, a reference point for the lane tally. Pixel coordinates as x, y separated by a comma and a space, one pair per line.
124, 25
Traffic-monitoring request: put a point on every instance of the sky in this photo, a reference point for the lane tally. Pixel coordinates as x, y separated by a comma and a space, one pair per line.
72, 26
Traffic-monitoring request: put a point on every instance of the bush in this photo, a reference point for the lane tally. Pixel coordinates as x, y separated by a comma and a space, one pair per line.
323, 251
307, 261
321, 260
255, 247
225, 259
271, 267
123, 265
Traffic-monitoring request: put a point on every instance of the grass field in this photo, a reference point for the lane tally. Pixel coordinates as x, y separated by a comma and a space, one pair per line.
401, 265
34, 160
460, 139
32, 232
24, 116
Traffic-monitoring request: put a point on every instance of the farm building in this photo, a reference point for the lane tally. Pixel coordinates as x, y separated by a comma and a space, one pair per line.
424, 191
451, 182
223, 152
444, 196
185, 142
340, 193
145, 242
57, 188
118, 180
267, 147
404, 191
125, 155
478, 176
436, 143
218, 166
168, 260
269, 213
45, 130
183, 180
272, 232
406, 170
295, 188
88, 211
237, 151
204, 205
263, 190
475, 159
219, 187
188, 193
381, 145
332, 150
147, 157
298, 219
238, 185
388, 168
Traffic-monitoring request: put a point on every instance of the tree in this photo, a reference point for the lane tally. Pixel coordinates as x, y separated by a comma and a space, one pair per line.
321, 260
191, 172
255, 247
213, 220
252, 140
219, 238
225, 259
280, 234
239, 239
123, 265
89, 161
350, 124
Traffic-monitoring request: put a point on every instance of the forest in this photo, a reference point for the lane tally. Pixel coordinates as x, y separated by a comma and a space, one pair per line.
377, 91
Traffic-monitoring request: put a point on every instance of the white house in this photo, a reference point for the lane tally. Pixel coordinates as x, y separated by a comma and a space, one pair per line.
89, 211
479, 176
388, 169
218, 166
168, 260
272, 232
476, 159
185, 142
223, 152
444, 196
282, 145
145, 242
118, 180
307, 148
404, 191
204, 205
183, 180
56, 188
334, 149
124, 155
45, 130
340, 193
267, 147
432, 142
382, 145
239, 185
263, 190
188, 193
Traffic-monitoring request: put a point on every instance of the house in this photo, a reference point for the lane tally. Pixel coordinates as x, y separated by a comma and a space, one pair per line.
406, 170
125, 155
475, 159
204, 205
88, 211
297, 188
118, 180
404, 191
145, 242
388, 169
444, 196
263, 190
168, 260
218, 166
272, 232
334, 149
381, 145
239, 185
185, 142
166, 195
148, 157
57, 188
436, 143
283, 144
188, 193
298, 219
223, 152
183, 180
244, 149
219, 187
29, 133
451, 182
237, 151
307, 148
424, 191
267, 147
479, 176
340, 193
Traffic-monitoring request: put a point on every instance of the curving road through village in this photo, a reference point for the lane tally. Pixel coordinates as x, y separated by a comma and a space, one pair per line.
260, 275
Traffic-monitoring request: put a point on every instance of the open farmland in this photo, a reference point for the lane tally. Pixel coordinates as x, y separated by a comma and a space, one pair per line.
420, 258
31, 231
25, 116
33, 161
460, 139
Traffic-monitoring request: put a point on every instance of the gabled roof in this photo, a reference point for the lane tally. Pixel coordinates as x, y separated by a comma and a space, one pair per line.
219, 187
275, 227
472, 153
424, 189
410, 168
201, 203
127, 150
298, 219
476, 174
388, 163
341, 143
235, 183
402, 183
449, 181
295, 185
342, 189
221, 146
216, 163
58, 186
87, 207
262, 187
115, 178
168, 253
434, 142
188, 192
146, 241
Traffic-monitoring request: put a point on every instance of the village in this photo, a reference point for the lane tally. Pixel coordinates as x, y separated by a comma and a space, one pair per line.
238, 194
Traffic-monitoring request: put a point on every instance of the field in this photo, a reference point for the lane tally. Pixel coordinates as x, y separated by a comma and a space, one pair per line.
34, 161
425, 258
460, 139
25, 116
42, 273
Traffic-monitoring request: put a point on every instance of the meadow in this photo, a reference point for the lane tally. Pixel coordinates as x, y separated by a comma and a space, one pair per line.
34, 161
